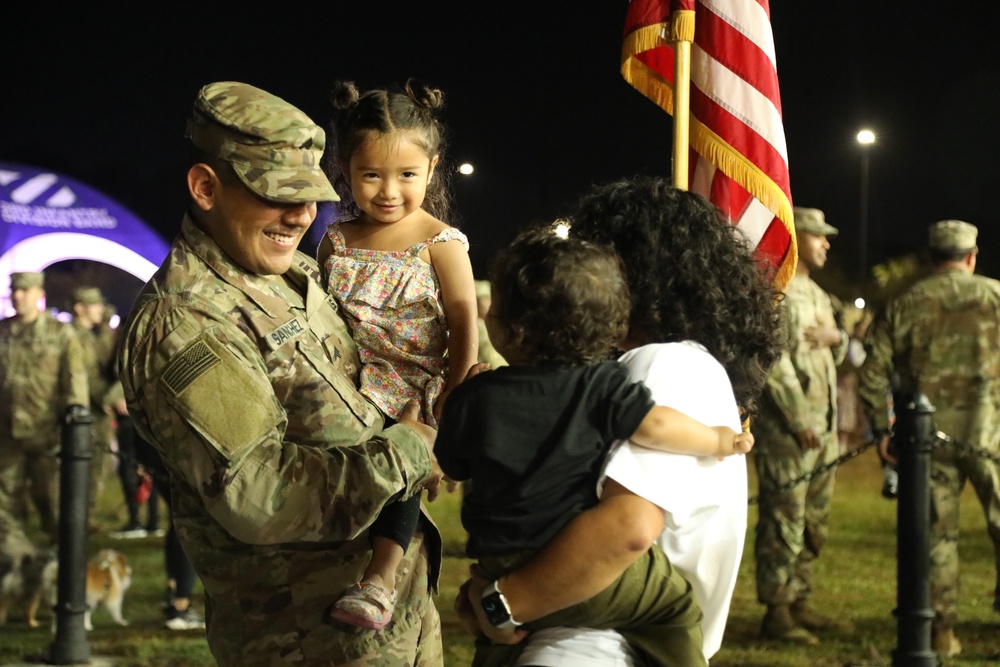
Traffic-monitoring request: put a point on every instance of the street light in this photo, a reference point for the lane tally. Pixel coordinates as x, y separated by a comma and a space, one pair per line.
865, 138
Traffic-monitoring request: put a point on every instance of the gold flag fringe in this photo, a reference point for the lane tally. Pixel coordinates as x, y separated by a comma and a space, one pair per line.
682, 26
647, 81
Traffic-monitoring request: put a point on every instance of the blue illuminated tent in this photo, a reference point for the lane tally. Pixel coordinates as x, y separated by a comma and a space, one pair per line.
46, 218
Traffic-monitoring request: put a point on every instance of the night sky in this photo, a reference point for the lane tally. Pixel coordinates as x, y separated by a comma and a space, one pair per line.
534, 99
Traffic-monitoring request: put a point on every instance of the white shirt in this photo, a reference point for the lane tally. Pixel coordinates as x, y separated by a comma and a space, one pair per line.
705, 500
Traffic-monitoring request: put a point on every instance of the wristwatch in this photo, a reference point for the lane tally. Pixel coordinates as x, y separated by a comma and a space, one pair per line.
497, 609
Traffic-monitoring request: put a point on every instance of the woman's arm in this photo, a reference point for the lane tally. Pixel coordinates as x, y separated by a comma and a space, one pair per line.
575, 565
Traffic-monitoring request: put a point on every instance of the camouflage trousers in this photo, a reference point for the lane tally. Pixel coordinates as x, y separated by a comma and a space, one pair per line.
950, 469
792, 524
420, 646
30, 469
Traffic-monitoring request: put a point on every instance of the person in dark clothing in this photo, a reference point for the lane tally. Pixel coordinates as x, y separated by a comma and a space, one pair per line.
131, 475
181, 576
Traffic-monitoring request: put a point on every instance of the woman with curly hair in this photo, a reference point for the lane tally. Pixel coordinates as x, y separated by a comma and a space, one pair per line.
531, 437
703, 332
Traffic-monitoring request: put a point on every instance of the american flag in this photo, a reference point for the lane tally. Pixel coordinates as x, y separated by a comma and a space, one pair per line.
738, 156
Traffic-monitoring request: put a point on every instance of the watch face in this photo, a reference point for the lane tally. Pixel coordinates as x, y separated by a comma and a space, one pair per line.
496, 610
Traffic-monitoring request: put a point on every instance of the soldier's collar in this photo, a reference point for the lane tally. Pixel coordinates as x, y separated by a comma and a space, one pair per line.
262, 290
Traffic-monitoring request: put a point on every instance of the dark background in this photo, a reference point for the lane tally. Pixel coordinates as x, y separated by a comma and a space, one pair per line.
534, 97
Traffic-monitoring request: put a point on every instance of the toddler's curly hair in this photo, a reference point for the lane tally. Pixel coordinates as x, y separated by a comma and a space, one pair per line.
562, 301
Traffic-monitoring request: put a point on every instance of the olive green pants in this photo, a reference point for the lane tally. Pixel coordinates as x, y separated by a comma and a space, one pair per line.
650, 604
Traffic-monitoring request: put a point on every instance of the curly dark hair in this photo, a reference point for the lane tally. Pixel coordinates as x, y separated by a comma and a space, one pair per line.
413, 107
563, 301
693, 276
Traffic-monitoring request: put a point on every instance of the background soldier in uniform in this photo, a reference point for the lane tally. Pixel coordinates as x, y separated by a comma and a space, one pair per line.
88, 318
238, 369
796, 433
487, 353
41, 374
940, 338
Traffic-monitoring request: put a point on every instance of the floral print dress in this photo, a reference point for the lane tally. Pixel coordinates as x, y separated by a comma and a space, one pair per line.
392, 302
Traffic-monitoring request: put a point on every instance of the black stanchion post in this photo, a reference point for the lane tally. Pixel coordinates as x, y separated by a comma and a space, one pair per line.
914, 438
70, 645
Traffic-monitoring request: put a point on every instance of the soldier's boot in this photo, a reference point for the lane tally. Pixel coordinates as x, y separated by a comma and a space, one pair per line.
811, 620
945, 643
779, 624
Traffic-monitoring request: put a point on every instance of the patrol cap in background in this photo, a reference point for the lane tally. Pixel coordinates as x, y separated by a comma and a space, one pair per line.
26, 279
813, 221
274, 148
952, 236
87, 295
483, 289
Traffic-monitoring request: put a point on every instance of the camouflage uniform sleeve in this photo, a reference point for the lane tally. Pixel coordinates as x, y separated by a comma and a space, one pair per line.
113, 394
784, 387
783, 384
73, 371
874, 374
201, 392
488, 353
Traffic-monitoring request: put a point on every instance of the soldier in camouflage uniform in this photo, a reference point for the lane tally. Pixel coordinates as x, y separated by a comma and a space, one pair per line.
88, 317
796, 434
238, 368
940, 338
41, 375
487, 353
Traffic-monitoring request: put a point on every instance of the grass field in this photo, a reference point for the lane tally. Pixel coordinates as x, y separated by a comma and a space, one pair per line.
855, 579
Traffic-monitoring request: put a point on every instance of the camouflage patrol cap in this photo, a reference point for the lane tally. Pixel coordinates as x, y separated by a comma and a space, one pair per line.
274, 148
26, 279
87, 295
813, 221
952, 236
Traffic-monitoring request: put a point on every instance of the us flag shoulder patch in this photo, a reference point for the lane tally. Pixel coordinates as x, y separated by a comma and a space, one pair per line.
189, 366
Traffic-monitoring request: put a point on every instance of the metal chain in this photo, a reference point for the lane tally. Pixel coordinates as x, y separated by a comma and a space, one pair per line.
941, 439
792, 483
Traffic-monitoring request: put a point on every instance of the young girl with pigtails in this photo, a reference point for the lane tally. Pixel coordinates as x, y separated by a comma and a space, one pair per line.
404, 282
